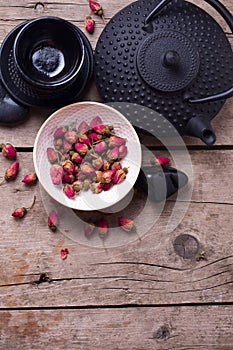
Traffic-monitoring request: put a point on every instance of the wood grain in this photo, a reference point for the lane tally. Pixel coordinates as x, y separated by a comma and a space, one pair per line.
179, 328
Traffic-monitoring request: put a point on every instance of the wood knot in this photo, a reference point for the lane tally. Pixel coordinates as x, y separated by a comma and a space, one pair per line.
39, 7
163, 333
186, 246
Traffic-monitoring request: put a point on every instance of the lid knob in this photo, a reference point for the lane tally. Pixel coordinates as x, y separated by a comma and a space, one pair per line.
171, 59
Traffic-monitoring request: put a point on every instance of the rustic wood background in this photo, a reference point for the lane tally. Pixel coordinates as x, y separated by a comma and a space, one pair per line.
139, 296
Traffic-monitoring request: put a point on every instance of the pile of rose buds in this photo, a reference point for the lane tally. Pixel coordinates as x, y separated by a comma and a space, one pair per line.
87, 157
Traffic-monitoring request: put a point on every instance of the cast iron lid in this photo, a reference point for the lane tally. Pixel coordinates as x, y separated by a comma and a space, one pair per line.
170, 56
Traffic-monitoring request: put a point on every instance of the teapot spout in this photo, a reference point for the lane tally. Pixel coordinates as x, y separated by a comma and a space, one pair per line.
201, 128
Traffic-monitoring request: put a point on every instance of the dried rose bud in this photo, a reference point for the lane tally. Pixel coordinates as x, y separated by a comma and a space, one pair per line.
95, 121
160, 160
68, 166
87, 169
81, 148
71, 136
8, 151
107, 176
88, 229
126, 224
103, 227
119, 176
68, 178
116, 141
64, 253
96, 7
77, 186
76, 169
12, 171
80, 176
97, 163
96, 187
106, 164
94, 136
52, 220
84, 139
100, 147
76, 158
89, 24
19, 212
83, 128
52, 155
103, 129
60, 132
69, 191
123, 150
65, 156
58, 143
30, 179
116, 166
56, 174
107, 186
99, 176
86, 184
66, 145
113, 154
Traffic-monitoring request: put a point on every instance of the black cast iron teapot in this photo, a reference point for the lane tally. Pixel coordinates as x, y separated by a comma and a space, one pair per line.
170, 56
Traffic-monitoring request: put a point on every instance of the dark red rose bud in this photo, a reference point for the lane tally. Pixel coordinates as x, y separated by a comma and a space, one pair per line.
108, 186
12, 171
125, 223
95, 121
84, 139
103, 227
69, 191
30, 179
116, 166
69, 179
119, 176
96, 7
52, 220
56, 174
19, 212
64, 253
8, 151
76, 158
52, 155
89, 24
93, 136
68, 166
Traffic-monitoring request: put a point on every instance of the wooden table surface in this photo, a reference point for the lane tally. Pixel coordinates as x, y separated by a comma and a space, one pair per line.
142, 295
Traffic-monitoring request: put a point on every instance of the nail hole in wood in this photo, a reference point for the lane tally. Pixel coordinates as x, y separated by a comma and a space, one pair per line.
186, 246
39, 7
162, 333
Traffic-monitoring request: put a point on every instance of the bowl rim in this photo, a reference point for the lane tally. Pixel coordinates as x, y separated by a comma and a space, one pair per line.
89, 103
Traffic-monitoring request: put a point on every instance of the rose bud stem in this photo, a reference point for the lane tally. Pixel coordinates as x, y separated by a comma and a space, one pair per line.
21, 212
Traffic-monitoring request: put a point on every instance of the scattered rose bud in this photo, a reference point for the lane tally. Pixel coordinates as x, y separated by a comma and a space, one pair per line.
68, 166
77, 186
52, 155
96, 187
126, 224
8, 151
68, 178
69, 191
113, 154
107, 176
83, 128
96, 7
88, 229
11, 172
119, 176
60, 132
71, 136
160, 160
81, 148
56, 174
95, 121
64, 253
116, 141
123, 150
103, 227
100, 147
21, 212
52, 221
30, 179
89, 24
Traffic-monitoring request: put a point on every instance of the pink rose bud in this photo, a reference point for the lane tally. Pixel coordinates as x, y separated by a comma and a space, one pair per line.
99, 176
103, 129
107, 186
69, 179
87, 169
76, 158
12, 171
97, 163
52, 155
76, 169
30, 179
58, 143
69, 191
103, 227
87, 184
116, 166
56, 174
160, 160
66, 146
88, 229
93, 136
119, 176
107, 176
81, 148
100, 147
60, 132
71, 136
95, 121
96, 187
64, 253
126, 224
68, 166
116, 141
77, 186
84, 139
19, 212
89, 24
123, 150
113, 154
83, 128
52, 221
8, 151
96, 7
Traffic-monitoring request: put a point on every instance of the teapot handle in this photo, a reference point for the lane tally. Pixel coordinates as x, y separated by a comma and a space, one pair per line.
222, 10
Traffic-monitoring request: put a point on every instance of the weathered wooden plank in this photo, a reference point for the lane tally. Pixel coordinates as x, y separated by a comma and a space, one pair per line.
142, 272
180, 328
